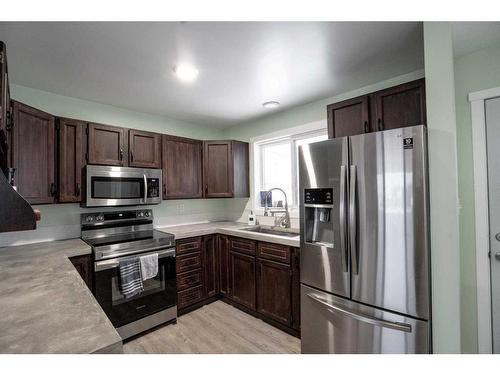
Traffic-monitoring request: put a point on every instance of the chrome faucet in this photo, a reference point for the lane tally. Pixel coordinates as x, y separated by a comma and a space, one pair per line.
283, 221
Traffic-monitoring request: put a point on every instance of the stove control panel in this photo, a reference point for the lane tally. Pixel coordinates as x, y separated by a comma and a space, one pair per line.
100, 218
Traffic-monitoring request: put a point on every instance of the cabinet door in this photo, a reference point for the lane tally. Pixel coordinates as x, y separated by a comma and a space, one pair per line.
224, 265
4, 108
144, 149
33, 150
107, 145
182, 168
400, 106
243, 279
211, 265
71, 142
348, 117
296, 288
274, 288
83, 265
218, 169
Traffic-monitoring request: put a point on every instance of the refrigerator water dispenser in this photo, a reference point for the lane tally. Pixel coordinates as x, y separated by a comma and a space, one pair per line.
318, 225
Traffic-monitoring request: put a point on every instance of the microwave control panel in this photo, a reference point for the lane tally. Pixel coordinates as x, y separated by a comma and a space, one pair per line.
153, 187
318, 196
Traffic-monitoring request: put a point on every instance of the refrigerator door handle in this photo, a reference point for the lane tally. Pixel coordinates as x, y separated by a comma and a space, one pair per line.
343, 218
352, 221
361, 317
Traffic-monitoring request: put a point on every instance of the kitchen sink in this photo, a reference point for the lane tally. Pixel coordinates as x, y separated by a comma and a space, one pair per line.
272, 230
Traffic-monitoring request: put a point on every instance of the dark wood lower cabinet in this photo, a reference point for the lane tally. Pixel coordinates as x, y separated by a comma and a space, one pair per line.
274, 285
211, 265
243, 288
260, 278
83, 264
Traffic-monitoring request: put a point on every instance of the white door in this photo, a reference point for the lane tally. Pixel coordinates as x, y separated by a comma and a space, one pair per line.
492, 108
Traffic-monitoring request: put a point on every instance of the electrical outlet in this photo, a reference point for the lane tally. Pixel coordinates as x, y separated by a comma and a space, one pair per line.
180, 208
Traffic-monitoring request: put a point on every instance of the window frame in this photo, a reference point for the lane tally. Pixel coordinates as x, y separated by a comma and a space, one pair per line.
291, 136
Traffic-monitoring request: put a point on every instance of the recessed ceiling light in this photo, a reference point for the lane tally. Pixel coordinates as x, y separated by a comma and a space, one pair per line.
271, 104
186, 72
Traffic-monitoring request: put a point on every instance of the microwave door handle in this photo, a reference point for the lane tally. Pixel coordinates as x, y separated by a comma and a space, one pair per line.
145, 188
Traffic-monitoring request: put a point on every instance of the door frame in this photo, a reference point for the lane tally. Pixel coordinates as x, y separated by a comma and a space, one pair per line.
480, 165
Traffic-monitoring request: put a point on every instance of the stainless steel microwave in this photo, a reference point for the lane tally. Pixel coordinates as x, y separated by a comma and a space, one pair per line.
107, 186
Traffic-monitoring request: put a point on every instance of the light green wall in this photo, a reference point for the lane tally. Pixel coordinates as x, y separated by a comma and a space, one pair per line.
476, 71
443, 186
65, 106
310, 112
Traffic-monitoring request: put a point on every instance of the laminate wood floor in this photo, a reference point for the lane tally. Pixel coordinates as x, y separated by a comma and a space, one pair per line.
217, 328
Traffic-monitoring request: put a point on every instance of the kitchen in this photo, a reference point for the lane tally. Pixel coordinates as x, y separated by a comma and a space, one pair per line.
160, 233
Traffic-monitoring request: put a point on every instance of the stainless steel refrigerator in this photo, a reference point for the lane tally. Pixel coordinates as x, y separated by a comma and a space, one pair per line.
365, 278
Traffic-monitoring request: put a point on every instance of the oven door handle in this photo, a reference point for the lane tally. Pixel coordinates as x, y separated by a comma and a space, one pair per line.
113, 263
145, 188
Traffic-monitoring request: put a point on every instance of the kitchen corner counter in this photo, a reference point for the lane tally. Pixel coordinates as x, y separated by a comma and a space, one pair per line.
46, 307
229, 228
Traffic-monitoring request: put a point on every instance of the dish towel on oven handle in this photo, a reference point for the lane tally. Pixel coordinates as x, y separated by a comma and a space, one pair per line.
130, 277
149, 266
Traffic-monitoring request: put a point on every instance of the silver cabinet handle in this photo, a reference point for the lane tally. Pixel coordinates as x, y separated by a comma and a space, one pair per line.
342, 218
361, 317
145, 188
352, 221
497, 255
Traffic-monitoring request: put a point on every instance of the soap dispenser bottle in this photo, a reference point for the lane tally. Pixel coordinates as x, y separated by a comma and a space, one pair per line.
251, 219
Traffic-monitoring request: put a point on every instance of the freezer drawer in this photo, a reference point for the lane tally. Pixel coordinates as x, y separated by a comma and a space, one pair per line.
331, 324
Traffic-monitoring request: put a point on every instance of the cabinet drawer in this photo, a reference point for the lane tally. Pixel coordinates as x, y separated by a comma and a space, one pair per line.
188, 245
188, 262
278, 253
189, 296
242, 245
189, 279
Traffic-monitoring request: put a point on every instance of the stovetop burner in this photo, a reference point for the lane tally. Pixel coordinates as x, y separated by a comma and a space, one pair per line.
117, 234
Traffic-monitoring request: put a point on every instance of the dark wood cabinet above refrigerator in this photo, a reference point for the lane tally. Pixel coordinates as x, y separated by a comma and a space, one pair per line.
396, 107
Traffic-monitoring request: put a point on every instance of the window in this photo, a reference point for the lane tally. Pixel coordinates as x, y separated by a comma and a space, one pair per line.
276, 166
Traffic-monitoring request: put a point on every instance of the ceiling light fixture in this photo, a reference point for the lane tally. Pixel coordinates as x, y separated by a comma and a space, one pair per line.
186, 73
271, 104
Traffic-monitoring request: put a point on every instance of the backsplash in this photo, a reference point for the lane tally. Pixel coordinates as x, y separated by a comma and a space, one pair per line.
62, 221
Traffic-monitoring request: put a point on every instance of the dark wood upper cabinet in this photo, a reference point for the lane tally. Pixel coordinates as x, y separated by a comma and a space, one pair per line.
107, 145
225, 169
211, 265
144, 149
72, 139
395, 107
243, 282
399, 106
182, 168
349, 117
33, 153
224, 265
274, 285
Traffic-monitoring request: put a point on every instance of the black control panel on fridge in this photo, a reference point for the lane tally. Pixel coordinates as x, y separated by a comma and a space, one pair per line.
318, 196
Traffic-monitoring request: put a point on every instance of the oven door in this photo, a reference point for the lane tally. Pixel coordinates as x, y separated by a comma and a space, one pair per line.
121, 186
159, 292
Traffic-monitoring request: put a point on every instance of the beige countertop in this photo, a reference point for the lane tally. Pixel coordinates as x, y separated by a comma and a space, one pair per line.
46, 307
230, 228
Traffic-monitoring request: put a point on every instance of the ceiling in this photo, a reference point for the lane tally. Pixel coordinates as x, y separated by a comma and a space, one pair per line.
241, 64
